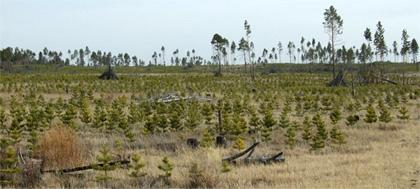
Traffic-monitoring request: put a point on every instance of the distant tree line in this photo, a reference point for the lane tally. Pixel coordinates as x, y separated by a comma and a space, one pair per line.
312, 51
225, 52
85, 57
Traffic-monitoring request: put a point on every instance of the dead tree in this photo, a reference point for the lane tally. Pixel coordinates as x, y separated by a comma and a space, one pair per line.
220, 139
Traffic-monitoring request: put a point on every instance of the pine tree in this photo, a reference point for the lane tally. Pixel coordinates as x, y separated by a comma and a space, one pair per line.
268, 121
334, 27
388, 100
166, 167
337, 137
299, 109
254, 123
150, 124
15, 131
69, 115
2, 120
403, 113
134, 115
239, 125
287, 108
379, 41
371, 115
266, 134
207, 139
175, 121
326, 102
34, 118
291, 136
49, 112
284, 120
33, 139
8, 165
101, 117
239, 143
385, 116
116, 113
207, 112
320, 126
136, 166
192, 119
86, 116
126, 129
335, 115
307, 129
225, 167
318, 141
307, 104
104, 158
162, 123
18, 114
119, 148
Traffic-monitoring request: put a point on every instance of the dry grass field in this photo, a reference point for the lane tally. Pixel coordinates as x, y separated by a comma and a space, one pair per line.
374, 155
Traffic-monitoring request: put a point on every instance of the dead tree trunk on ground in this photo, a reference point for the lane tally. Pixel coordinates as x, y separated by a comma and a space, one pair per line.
276, 158
87, 167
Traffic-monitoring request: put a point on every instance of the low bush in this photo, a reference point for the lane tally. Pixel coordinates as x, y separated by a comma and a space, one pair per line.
59, 147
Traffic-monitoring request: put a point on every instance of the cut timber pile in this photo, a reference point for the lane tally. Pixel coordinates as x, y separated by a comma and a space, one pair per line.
109, 74
173, 97
338, 80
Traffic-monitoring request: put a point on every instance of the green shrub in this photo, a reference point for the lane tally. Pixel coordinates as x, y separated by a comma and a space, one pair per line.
371, 116
8, 165
384, 115
136, 166
318, 141
403, 113
104, 158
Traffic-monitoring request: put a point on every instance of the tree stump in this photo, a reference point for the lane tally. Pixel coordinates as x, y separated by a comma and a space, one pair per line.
193, 143
221, 141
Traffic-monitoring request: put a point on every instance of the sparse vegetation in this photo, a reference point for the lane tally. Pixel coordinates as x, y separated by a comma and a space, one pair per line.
180, 119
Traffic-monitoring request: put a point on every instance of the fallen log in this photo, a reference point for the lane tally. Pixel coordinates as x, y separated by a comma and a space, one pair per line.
87, 167
374, 78
389, 81
238, 155
276, 158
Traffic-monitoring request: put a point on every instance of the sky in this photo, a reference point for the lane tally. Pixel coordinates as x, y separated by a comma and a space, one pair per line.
140, 27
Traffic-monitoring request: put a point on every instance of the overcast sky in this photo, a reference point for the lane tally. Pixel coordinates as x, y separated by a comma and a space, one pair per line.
141, 27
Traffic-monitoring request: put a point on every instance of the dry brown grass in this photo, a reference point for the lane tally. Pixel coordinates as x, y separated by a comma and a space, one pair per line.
375, 156
60, 147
